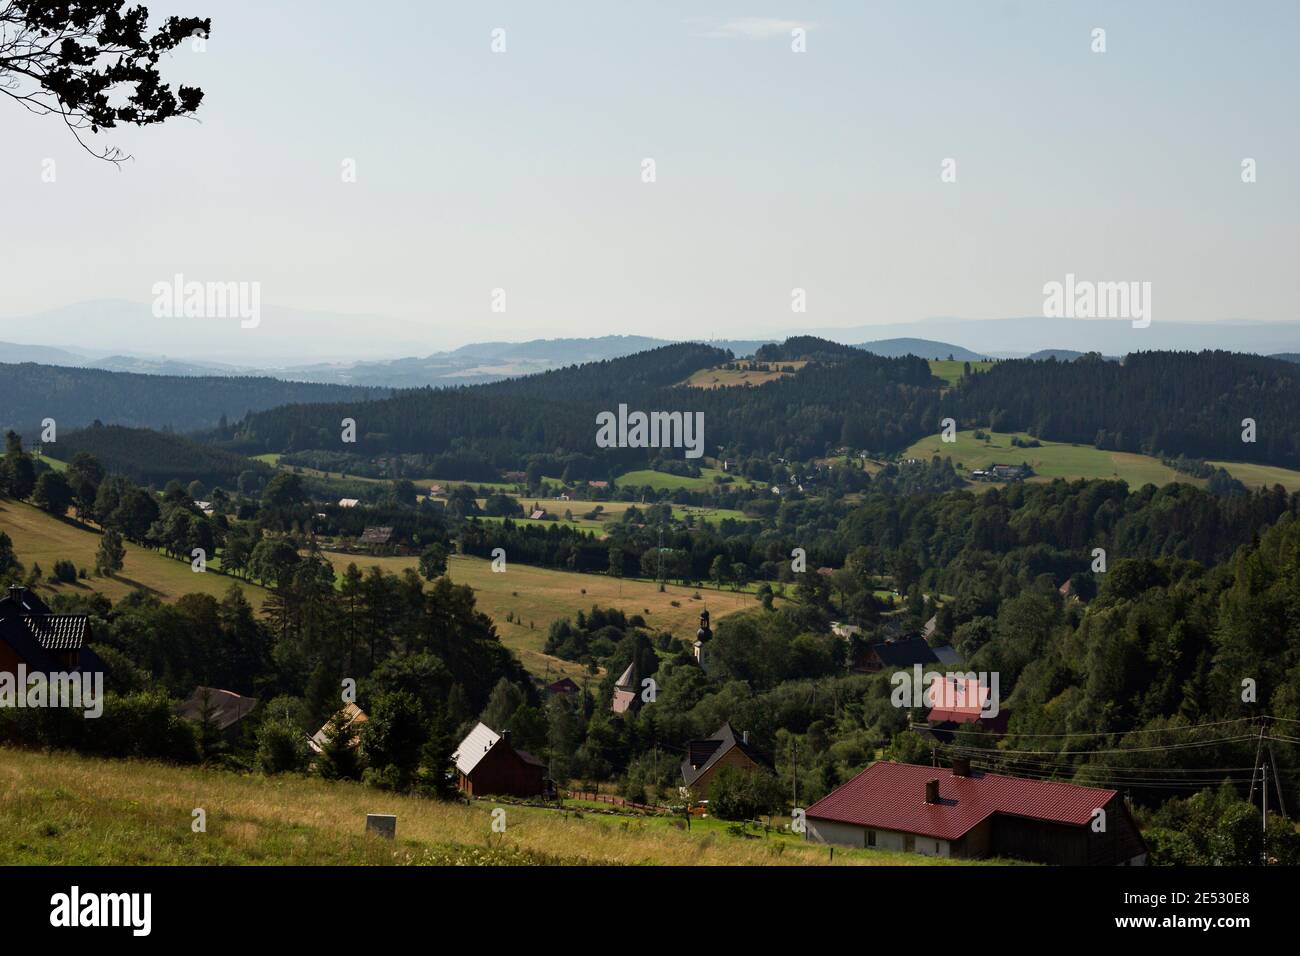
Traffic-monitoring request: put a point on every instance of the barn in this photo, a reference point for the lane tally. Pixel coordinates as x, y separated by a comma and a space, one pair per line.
486, 763
958, 812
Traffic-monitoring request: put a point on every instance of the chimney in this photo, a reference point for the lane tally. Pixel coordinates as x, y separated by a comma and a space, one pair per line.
932, 791
16, 593
961, 766
744, 736
505, 737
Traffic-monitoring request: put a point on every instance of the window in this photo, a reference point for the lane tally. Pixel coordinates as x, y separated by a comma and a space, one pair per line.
909, 843
871, 838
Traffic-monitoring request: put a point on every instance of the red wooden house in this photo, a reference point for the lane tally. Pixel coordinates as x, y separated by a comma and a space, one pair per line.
486, 763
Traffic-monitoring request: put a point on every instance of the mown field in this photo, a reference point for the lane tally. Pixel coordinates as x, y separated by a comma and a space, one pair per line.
1060, 460
660, 479
40, 538
63, 809
1051, 460
745, 373
537, 596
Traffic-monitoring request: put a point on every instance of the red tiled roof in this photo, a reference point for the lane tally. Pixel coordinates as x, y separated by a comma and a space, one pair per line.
960, 700
891, 796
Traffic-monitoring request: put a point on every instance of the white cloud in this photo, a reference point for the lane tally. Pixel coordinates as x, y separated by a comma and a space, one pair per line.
749, 28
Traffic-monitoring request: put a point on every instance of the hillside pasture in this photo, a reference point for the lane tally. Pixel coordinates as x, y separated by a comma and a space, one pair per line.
66, 810
41, 538
535, 597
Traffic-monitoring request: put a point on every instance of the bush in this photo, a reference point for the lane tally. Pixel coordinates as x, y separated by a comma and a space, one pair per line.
742, 795
281, 747
65, 572
1171, 848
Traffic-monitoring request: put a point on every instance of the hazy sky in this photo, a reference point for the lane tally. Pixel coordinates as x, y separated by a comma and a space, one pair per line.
522, 170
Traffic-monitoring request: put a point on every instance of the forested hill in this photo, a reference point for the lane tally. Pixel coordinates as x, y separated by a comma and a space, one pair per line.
865, 400
154, 458
74, 397
1154, 402
1189, 403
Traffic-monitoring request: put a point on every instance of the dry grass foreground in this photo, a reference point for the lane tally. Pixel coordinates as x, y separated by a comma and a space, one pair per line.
64, 809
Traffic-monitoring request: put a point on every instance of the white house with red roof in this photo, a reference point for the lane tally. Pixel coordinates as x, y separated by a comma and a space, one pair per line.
957, 812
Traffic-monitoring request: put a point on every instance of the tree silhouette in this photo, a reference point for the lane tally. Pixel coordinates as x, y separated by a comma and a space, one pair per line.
93, 63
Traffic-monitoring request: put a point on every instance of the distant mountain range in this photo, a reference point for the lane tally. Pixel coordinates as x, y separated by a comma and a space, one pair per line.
301, 346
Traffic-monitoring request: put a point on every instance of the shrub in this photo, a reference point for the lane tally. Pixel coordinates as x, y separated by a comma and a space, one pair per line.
281, 747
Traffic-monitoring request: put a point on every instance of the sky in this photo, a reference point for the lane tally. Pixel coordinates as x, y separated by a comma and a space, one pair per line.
774, 170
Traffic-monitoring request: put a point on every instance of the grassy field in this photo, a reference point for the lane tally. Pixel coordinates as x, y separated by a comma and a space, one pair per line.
538, 596
745, 373
1261, 476
953, 371
1051, 460
40, 538
1060, 460
611, 513
62, 809
660, 480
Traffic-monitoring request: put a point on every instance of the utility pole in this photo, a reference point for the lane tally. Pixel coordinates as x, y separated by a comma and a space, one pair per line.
794, 770
1264, 814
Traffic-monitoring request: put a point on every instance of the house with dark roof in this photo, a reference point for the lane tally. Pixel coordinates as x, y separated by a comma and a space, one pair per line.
375, 536
725, 748
565, 686
958, 812
894, 655
32, 634
224, 710
487, 763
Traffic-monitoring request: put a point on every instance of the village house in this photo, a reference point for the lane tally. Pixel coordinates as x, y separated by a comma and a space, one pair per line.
724, 748
537, 514
375, 537
1007, 472
224, 710
894, 655
349, 502
354, 720
47, 643
962, 701
598, 484
565, 687
957, 812
486, 763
